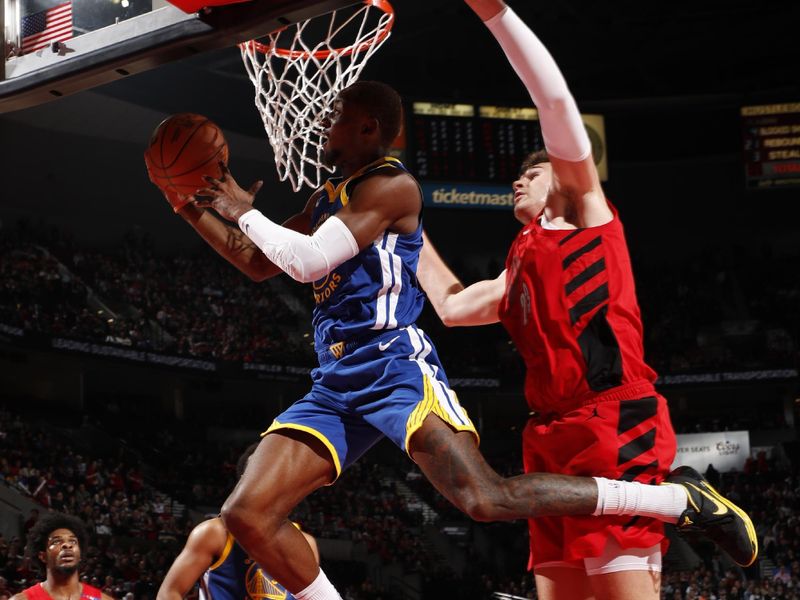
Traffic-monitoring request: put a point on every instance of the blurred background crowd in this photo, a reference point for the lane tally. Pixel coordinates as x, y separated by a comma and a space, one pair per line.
716, 311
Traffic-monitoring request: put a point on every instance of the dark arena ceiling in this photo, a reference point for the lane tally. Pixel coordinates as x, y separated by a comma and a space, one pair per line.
615, 55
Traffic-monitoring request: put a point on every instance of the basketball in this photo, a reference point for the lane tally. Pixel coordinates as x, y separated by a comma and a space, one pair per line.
182, 149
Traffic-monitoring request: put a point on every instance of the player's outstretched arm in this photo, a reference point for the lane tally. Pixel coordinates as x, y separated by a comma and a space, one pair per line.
229, 242
234, 246
378, 203
566, 140
204, 546
456, 305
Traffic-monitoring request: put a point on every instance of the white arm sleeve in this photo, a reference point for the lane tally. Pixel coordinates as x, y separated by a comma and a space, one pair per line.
304, 258
562, 129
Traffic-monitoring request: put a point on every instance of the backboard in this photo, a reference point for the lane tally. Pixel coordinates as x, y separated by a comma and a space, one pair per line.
53, 48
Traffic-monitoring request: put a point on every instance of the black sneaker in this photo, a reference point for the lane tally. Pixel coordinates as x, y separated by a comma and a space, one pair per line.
716, 517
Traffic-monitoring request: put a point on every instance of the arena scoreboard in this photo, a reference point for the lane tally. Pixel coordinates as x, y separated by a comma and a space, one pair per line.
480, 143
771, 136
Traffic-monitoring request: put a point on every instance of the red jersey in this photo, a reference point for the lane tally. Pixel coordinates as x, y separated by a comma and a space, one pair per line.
570, 307
37, 592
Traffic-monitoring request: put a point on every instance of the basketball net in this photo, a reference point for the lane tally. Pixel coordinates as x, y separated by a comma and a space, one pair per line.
299, 70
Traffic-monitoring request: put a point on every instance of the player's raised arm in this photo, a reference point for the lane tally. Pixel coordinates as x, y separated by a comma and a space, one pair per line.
566, 140
230, 242
456, 305
203, 547
378, 203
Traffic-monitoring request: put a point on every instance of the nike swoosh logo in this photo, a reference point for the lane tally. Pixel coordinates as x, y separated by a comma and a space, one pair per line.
721, 508
384, 345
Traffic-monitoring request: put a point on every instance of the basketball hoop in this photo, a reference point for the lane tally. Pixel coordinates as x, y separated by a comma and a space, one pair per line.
298, 71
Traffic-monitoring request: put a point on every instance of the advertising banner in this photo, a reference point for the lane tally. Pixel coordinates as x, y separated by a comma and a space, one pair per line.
468, 195
726, 450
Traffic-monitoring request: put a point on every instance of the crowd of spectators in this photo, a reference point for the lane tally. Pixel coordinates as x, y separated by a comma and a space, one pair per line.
132, 526
38, 296
192, 305
57, 473
721, 311
364, 506
134, 530
202, 306
135, 536
724, 312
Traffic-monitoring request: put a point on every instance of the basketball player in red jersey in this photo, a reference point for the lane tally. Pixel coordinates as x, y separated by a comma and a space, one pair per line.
567, 299
57, 540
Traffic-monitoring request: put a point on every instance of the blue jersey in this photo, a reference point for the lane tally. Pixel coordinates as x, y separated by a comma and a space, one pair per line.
379, 374
377, 289
235, 576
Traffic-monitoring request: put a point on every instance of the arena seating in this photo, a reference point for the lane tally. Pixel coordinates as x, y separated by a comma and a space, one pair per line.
729, 315
137, 529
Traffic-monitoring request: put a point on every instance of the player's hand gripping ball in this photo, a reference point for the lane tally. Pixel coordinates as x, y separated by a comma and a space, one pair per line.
183, 149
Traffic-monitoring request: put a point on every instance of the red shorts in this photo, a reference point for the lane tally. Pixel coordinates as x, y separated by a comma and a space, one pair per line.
628, 440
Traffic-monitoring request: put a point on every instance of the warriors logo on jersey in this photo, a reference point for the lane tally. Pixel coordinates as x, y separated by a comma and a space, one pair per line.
260, 586
235, 576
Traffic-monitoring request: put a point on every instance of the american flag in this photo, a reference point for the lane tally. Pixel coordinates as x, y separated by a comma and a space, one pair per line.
41, 29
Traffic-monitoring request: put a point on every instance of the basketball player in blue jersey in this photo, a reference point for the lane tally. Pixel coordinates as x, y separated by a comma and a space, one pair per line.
358, 242
223, 568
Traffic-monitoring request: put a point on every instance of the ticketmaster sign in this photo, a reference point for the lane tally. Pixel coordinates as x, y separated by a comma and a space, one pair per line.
465, 195
726, 450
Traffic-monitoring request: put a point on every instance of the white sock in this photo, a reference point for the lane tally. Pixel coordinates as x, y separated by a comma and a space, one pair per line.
319, 589
662, 502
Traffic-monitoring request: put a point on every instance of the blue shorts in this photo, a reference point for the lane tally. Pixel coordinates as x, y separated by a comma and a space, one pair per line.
383, 387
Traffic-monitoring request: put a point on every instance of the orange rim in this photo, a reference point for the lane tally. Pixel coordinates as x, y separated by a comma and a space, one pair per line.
323, 54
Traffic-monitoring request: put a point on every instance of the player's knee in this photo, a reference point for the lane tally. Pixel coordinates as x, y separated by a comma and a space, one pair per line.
242, 517
233, 516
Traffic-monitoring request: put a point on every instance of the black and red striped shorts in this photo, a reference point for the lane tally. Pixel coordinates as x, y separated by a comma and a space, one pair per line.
631, 440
